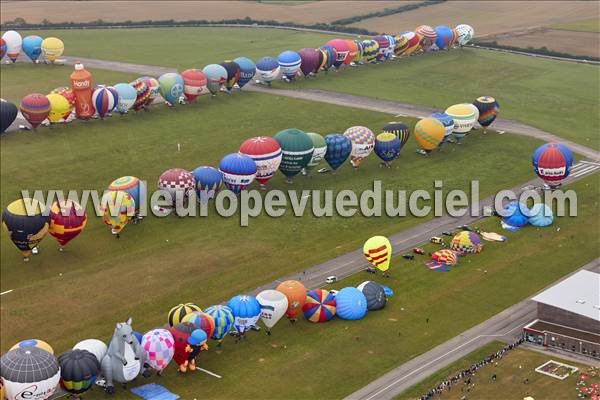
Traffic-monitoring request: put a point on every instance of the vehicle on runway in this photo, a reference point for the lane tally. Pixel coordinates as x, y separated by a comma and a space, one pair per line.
331, 279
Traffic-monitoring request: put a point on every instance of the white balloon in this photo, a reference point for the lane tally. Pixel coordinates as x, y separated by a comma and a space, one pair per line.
94, 346
273, 305
14, 43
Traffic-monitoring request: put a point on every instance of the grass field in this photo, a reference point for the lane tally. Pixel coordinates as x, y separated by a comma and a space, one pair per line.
576, 43
19, 80
516, 366
531, 90
584, 25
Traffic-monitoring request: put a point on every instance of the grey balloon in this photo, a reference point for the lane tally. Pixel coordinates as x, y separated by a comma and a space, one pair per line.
375, 295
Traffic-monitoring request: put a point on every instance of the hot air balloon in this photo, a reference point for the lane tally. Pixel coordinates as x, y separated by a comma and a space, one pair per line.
209, 181
297, 150
247, 70
117, 208
233, 73
289, 62
466, 242
383, 46
541, 215
127, 97
464, 119
35, 108
389, 52
104, 100
488, 110
178, 183
245, 310
153, 87
319, 151
32, 47
414, 42
441, 260
26, 229
8, 114
59, 108
171, 87
370, 50
40, 344
52, 48
267, 70
429, 133
398, 129
319, 306
363, 142
216, 76
515, 216
67, 220
266, 153
329, 57
181, 333
201, 320
68, 94
310, 61
341, 49
14, 44
401, 45
352, 52
448, 123
358, 58
223, 318
177, 313
339, 148
552, 162
351, 304
132, 185
81, 84
378, 251
374, 294
29, 373
142, 94
387, 147
465, 34
78, 370
194, 83
3, 48
296, 296
238, 171
428, 36
97, 347
273, 305
443, 37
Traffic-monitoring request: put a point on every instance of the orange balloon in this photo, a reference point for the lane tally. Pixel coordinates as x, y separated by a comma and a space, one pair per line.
296, 295
352, 51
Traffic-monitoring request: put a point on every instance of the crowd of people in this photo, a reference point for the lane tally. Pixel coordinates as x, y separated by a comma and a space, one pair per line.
465, 375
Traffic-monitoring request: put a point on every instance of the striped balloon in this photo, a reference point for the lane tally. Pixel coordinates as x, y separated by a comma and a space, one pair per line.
201, 320
223, 318
319, 306
35, 108
398, 129
177, 313
104, 100
445, 256
67, 220
132, 185
370, 49
488, 110
552, 162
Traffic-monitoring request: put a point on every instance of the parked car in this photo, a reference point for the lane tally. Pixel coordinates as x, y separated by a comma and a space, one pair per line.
331, 279
408, 256
447, 233
418, 250
371, 270
436, 240
464, 228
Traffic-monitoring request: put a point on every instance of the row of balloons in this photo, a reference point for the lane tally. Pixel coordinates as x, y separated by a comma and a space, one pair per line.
184, 336
11, 45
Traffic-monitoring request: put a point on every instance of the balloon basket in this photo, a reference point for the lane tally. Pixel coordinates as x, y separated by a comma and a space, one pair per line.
25, 259
263, 186
61, 249
289, 180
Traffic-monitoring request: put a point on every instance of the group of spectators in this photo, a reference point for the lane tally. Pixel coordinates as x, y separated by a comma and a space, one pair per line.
465, 375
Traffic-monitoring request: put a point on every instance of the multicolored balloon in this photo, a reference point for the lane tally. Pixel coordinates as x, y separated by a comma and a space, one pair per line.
216, 76
132, 185
297, 149
201, 320
273, 305
465, 34
35, 108
194, 83
238, 171
209, 181
401, 45
78, 370
370, 50
289, 62
266, 153
159, 346
247, 70
378, 251
466, 242
32, 47
310, 61
351, 304
448, 123
443, 37
245, 310
552, 162
319, 306
319, 151
296, 296
177, 313
339, 148
127, 97
59, 108
117, 208
414, 42
67, 221
68, 94
329, 57
341, 49
28, 343
104, 100
428, 36
142, 91
224, 320
154, 87
429, 133
3, 48
445, 256
363, 142
26, 230
171, 87
383, 46
387, 147
267, 70
488, 110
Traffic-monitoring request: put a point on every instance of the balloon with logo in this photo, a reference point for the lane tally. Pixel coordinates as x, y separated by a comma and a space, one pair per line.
8, 114
209, 181
178, 183
33, 343
297, 149
26, 228
81, 84
266, 153
267, 70
127, 97
32, 47
465, 33
375, 295
329, 57
488, 109
466, 242
339, 148
194, 83
378, 251
319, 151
443, 37
52, 48
35, 108
178, 313
247, 70
238, 170
171, 87
387, 147
105, 100
216, 76
117, 208
132, 185
67, 221
363, 142
351, 304
370, 50
341, 49
233, 73
153, 88
319, 306
246, 312
296, 297
310, 61
429, 133
464, 119
78, 370
289, 62
2, 48
68, 94
428, 36
448, 123
273, 305
552, 162
29, 373
14, 43
224, 320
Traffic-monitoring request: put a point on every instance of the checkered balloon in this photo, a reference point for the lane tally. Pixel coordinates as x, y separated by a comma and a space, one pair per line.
176, 180
159, 346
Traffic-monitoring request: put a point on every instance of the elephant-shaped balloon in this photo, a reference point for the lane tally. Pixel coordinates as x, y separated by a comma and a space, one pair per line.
125, 358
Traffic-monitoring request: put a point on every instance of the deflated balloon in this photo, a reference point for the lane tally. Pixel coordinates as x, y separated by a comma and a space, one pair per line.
374, 294
466, 242
428, 36
541, 215
515, 214
383, 46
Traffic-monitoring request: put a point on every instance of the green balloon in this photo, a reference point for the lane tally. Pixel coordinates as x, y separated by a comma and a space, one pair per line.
319, 152
297, 149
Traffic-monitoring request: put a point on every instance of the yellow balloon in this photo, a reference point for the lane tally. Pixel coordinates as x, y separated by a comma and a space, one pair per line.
59, 107
34, 343
119, 203
429, 132
378, 251
52, 48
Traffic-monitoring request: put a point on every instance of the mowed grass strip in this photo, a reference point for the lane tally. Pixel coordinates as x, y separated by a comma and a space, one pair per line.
584, 25
511, 371
559, 97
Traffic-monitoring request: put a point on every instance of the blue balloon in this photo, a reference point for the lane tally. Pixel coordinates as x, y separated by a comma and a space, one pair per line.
238, 171
247, 70
448, 123
127, 96
331, 56
388, 291
138, 336
444, 36
289, 62
267, 64
32, 46
339, 148
208, 182
541, 215
517, 214
245, 310
351, 304
388, 150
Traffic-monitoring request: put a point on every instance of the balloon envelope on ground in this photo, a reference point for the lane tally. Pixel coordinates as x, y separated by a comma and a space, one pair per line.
541, 215
289, 62
363, 142
516, 215
35, 108
171, 87
374, 294
238, 171
8, 114
429, 133
194, 83
351, 304
319, 306
177, 313
78, 370
267, 69
127, 97
319, 151
466, 242
216, 76
488, 110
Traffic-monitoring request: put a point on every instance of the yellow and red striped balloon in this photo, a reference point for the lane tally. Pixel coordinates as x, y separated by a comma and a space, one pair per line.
378, 251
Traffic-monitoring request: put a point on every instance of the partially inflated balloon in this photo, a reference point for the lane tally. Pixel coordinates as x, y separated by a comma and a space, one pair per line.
247, 70
26, 229
266, 153
178, 182
443, 37
216, 76
466, 242
8, 114
429, 133
68, 94
515, 215
363, 142
153, 87
171, 87
67, 221
383, 45
132, 185
52, 48
233, 73
352, 52
319, 151
78, 370
273, 305
370, 50
296, 296
552, 162
541, 215
29, 373
104, 100
28, 343
401, 45
375, 295
14, 43
445, 256
32, 47
389, 52
289, 62
339, 148
399, 129
378, 251
194, 83
127, 97
341, 49
448, 123
488, 110
208, 182
35, 108
97, 347
238, 171
428, 36
329, 56
297, 149
142, 91
414, 42
267, 69
319, 306
177, 314
310, 61
465, 34
201, 320
117, 208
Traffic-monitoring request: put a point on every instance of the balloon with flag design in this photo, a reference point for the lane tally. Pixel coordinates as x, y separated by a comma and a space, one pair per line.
238, 170
67, 221
201, 320
319, 306
104, 100
266, 153
378, 251
223, 318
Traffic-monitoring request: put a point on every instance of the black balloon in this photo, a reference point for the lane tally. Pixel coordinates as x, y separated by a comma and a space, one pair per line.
8, 113
375, 295
78, 370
